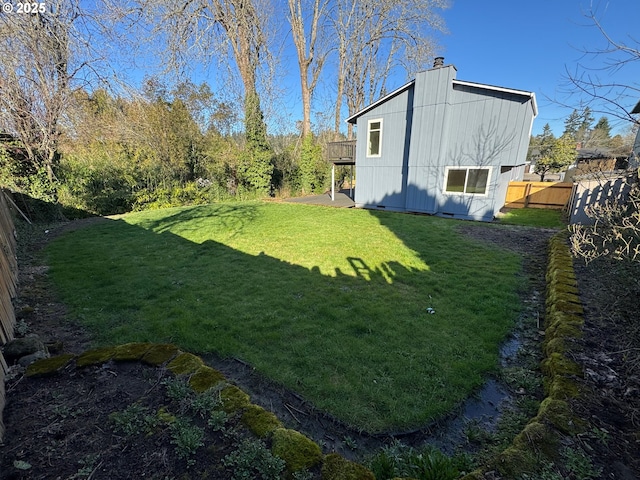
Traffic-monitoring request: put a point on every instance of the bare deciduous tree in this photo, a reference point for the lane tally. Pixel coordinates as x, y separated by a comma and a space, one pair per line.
311, 48
592, 82
37, 69
376, 37
231, 31
616, 229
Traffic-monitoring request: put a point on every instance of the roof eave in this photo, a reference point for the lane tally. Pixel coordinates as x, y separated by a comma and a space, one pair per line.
484, 86
354, 117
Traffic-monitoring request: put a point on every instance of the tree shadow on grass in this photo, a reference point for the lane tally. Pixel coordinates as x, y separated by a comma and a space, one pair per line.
357, 345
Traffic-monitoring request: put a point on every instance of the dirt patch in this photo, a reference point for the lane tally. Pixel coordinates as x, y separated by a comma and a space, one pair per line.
60, 426
609, 354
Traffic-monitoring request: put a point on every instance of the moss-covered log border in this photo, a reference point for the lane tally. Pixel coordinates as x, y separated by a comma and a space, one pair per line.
540, 439
294, 448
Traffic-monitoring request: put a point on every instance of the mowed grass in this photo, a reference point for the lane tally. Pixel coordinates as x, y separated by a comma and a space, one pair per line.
331, 303
534, 217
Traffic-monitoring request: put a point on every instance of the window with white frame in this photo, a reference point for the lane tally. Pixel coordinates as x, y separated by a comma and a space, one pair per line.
374, 138
469, 180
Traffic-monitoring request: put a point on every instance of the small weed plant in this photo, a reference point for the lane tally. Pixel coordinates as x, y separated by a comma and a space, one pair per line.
398, 460
177, 389
579, 465
252, 460
185, 434
574, 463
133, 420
87, 467
187, 438
206, 405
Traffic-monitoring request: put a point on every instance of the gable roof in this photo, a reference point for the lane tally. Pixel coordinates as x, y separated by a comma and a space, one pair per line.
531, 95
636, 109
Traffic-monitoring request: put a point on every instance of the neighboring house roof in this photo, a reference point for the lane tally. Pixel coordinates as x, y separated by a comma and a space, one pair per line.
354, 117
585, 154
636, 109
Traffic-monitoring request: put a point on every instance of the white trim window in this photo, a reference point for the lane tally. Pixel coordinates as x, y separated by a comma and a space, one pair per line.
467, 180
374, 138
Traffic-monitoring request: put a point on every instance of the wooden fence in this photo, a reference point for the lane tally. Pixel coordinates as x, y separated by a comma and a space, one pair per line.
8, 281
538, 195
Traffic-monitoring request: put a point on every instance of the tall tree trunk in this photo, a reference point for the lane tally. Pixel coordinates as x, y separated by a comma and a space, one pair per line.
310, 59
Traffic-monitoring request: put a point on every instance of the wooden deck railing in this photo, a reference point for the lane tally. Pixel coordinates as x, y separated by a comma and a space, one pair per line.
342, 152
8, 281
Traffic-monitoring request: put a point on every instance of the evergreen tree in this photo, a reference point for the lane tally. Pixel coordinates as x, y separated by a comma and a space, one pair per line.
577, 126
256, 165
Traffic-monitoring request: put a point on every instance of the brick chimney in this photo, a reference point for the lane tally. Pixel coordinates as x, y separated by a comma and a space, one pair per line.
438, 62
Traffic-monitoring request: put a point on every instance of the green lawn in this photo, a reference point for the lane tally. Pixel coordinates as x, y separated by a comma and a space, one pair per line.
330, 302
534, 217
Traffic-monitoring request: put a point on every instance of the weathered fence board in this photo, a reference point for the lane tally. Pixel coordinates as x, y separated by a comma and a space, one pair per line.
538, 194
599, 190
8, 281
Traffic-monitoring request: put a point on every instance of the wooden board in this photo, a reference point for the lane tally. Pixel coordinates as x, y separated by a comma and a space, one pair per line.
538, 194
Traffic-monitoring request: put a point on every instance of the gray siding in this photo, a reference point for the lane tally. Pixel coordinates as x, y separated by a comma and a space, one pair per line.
381, 180
436, 123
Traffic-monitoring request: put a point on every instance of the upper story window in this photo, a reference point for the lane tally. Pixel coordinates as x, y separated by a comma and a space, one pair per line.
374, 138
470, 180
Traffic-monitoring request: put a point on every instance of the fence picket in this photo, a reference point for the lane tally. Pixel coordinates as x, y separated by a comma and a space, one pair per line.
538, 195
8, 284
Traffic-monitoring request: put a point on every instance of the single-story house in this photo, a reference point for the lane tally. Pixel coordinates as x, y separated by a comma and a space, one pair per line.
443, 146
594, 160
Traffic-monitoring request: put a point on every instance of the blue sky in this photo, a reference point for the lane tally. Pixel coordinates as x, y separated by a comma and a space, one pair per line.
520, 44
529, 45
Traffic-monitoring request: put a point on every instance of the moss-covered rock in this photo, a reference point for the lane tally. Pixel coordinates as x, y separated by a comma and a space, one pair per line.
536, 436
336, 467
260, 421
556, 316
561, 388
554, 345
565, 326
562, 288
130, 352
558, 413
568, 306
159, 354
295, 449
205, 378
514, 461
96, 356
233, 399
49, 366
558, 364
185, 364
558, 294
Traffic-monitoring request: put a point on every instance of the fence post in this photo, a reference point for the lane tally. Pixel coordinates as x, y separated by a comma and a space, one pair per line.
527, 194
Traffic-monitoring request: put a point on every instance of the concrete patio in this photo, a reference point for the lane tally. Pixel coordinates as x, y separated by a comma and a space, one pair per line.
342, 199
